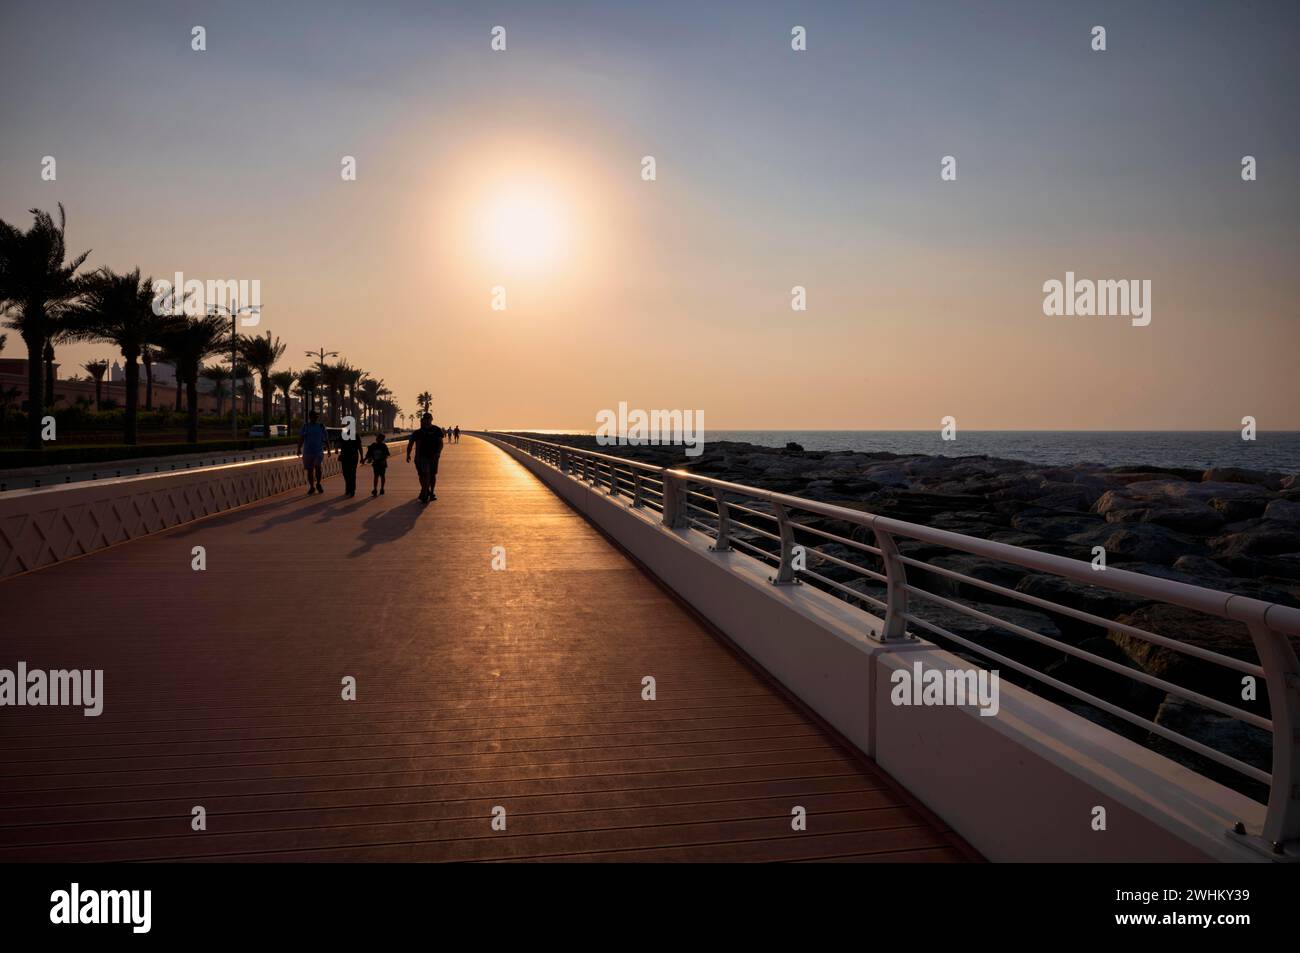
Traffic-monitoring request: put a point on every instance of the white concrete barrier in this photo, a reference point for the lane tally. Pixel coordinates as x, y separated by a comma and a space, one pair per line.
44, 526
1024, 785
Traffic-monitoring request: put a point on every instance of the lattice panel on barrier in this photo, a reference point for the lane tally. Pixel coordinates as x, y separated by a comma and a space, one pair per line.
35, 533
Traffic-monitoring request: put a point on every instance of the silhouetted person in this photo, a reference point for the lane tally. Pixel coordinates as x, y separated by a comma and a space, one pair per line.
349, 457
427, 444
377, 457
456, 431
312, 441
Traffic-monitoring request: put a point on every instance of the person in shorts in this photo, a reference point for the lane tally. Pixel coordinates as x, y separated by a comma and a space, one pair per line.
312, 441
427, 444
377, 457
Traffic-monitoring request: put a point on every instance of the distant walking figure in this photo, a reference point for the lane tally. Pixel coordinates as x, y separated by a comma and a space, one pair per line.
427, 444
456, 431
349, 457
312, 440
377, 457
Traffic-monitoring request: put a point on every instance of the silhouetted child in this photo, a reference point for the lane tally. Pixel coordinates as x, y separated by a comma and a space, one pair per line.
377, 457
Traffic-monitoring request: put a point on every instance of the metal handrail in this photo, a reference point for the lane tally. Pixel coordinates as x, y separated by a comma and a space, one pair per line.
1268, 623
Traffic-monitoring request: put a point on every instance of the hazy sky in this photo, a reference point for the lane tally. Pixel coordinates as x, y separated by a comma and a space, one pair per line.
774, 169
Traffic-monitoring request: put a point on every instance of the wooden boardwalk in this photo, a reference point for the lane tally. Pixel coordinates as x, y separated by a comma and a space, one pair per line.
476, 688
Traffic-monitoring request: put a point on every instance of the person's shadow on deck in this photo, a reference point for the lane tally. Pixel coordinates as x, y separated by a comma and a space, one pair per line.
299, 512
387, 526
342, 509
288, 510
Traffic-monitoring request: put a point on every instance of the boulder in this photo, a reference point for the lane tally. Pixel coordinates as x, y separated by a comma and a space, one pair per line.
1191, 516
1206, 571
1139, 542
986, 634
977, 567
968, 524
888, 474
1194, 628
1054, 526
1105, 684
1142, 476
1179, 505
1283, 511
1154, 473
1220, 732
1070, 496
1077, 595
1241, 508
1272, 481
1261, 538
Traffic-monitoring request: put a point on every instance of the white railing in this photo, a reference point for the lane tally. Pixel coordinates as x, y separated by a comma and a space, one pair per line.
116, 469
726, 512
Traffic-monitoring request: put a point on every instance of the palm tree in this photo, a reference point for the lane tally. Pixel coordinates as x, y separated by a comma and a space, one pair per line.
218, 375
424, 401
283, 381
331, 379
308, 384
370, 390
260, 354
352, 377
119, 309
36, 285
97, 370
187, 341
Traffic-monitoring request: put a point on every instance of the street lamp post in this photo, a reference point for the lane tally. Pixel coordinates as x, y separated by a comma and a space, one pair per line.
320, 356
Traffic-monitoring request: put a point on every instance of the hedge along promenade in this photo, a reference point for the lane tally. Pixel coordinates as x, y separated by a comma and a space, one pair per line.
17, 459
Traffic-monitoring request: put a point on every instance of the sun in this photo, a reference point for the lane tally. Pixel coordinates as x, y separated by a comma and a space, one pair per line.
523, 228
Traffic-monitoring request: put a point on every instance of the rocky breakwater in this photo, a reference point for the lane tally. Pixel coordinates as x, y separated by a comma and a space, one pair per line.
1234, 530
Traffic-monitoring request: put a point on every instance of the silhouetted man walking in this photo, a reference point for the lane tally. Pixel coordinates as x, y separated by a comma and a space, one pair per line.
427, 444
311, 444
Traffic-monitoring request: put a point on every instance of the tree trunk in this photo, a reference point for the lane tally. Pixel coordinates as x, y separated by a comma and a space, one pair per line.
268, 397
132, 398
148, 383
49, 374
192, 409
35, 391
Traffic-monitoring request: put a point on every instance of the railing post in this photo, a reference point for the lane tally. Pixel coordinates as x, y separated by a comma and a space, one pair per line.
564, 462
1282, 673
894, 628
613, 480
723, 543
785, 575
637, 501
674, 502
